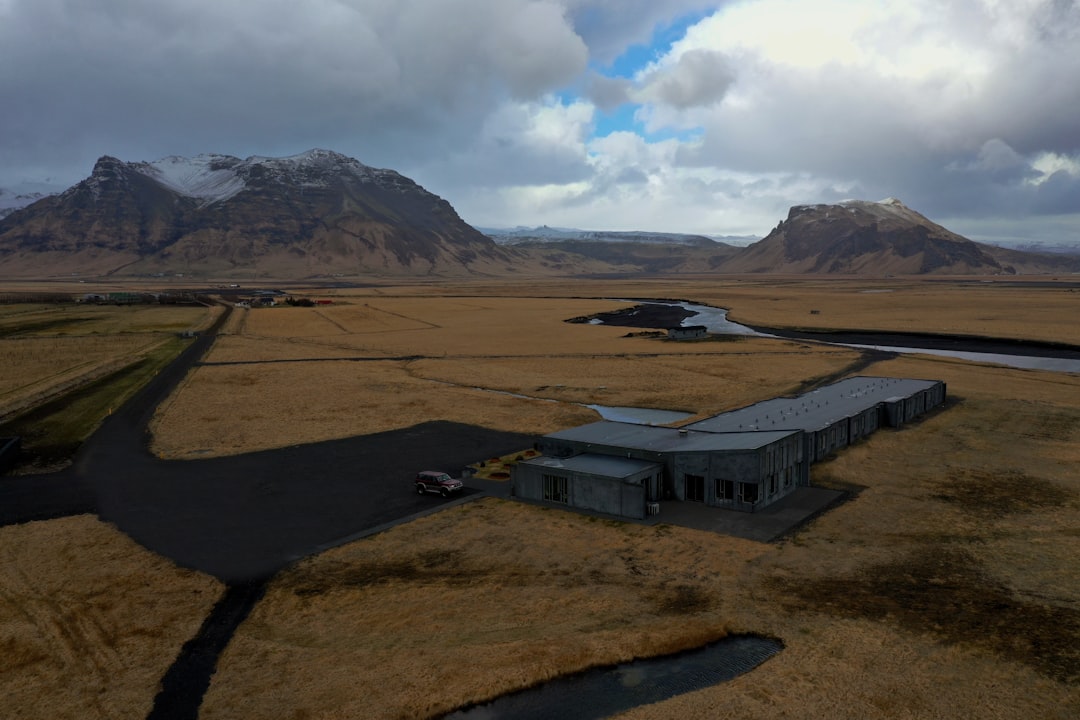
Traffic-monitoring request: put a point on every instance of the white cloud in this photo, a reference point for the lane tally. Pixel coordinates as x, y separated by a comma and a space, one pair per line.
888, 97
1048, 163
963, 109
699, 77
385, 79
520, 143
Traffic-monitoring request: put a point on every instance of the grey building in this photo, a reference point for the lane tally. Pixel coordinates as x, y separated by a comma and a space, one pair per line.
688, 332
836, 415
740, 460
739, 471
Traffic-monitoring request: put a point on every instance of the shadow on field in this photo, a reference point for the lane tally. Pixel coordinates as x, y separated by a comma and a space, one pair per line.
241, 518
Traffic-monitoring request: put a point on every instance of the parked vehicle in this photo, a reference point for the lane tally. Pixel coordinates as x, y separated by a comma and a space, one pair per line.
435, 481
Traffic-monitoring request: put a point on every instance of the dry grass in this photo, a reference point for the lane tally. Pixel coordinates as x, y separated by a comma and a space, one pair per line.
947, 588
44, 360
232, 409
284, 381
922, 597
728, 375
89, 621
45, 349
979, 308
408, 624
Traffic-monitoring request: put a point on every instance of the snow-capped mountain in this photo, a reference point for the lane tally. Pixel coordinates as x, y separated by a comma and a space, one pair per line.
213, 178
316, 213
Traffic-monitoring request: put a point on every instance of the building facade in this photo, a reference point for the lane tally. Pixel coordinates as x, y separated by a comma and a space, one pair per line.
741, 460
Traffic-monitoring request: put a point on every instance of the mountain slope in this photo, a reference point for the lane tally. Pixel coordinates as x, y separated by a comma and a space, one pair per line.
316, 213
859, 237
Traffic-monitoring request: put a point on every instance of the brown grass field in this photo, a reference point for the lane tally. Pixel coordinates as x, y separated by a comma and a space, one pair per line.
45, 349
89, 621
291, 375
946, 588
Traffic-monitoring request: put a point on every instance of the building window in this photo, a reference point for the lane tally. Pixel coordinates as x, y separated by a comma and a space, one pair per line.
725, 489
772, 484
555, 489
695, 487
787, 478
748, 492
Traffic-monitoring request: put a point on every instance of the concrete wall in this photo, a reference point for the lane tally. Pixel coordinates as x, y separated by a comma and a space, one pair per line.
776, 470
614, 496
897, 411
786, 459
863, 424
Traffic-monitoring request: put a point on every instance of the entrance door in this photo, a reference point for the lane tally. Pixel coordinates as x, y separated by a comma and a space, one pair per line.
695, 487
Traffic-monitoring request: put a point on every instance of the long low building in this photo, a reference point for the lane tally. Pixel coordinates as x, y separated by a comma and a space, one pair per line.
836, 415
740, 460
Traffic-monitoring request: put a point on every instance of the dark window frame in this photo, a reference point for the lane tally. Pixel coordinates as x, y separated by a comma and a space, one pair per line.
556, 489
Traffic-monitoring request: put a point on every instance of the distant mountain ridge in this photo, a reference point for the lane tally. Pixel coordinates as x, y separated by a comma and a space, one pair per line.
311, 214
858, 237
543, 233
323, 214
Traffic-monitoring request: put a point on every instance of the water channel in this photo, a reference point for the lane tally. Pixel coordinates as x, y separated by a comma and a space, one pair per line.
715, 321
603, 692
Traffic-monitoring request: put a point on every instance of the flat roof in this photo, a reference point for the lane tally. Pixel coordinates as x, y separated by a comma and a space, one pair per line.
816, 409
663, 439
607, 465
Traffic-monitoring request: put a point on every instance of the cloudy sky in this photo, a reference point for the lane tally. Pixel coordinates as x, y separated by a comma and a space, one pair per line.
668, 115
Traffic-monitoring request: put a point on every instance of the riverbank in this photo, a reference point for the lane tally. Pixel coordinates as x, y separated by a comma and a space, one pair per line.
655, 315
955, 343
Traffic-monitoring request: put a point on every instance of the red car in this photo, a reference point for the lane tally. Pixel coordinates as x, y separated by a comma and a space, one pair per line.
434, 481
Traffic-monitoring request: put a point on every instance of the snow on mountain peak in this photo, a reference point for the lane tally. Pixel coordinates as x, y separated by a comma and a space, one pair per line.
214, 178
207, 177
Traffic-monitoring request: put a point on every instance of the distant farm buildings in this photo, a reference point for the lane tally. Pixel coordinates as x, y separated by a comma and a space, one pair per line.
688, 332
741, 460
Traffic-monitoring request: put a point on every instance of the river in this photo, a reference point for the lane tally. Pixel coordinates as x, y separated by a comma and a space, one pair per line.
716, 321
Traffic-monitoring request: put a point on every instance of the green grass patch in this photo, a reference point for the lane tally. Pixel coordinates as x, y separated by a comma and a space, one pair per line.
52, 432
40, 326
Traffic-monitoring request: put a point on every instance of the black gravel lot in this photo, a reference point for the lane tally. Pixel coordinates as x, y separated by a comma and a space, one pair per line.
244, 517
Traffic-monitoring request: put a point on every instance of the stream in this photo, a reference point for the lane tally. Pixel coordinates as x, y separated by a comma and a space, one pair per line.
603, 692
715, 320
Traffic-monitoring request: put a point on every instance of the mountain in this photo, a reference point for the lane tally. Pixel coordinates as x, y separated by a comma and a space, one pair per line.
11, 201
638, 252
322, 214
859, 237
545, 234
313, 214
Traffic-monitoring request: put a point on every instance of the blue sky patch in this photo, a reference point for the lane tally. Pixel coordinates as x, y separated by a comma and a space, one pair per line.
636, 57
